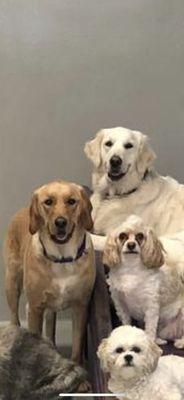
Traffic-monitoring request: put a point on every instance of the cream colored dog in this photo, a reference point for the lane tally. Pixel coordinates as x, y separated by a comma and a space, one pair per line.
146, 279
48, 251
137, 372
125, 183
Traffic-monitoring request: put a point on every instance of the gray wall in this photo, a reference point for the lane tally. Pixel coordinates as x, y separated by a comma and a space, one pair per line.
71, 67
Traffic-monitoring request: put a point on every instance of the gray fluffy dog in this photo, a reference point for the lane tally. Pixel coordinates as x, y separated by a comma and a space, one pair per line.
31, 368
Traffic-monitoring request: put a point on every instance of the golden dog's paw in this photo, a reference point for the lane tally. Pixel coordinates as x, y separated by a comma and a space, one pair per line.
84, 387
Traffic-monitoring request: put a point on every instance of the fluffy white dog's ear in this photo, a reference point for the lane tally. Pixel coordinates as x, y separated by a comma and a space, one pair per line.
146, 155
154, 353
152, 251
92, 149
102, 355
111, 254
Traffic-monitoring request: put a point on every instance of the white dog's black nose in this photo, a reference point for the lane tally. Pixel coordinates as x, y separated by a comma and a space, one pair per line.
128, 358
115, 161
131, 246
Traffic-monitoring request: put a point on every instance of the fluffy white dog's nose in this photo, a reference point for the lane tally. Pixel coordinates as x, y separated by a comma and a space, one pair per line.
128, 358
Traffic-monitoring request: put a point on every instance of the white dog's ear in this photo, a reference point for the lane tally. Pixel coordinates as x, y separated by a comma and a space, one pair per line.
93, 149
154, 353
102, 355
146, 155
111, 254
152, 251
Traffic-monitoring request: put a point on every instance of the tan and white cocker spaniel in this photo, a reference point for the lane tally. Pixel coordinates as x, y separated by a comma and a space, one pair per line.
146, 279
125, 182
137, 372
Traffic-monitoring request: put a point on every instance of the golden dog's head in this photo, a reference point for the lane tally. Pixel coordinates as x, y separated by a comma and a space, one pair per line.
59, 208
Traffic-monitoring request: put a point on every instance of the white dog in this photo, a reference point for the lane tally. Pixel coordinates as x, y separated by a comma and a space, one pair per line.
146, 279
137, 372
125, 183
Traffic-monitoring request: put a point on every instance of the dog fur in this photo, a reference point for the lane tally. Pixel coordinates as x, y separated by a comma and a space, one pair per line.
32, 369
146, 279
135, 188
50, 285
137, 372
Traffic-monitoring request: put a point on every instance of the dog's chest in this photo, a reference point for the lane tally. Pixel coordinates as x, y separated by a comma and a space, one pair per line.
67, 284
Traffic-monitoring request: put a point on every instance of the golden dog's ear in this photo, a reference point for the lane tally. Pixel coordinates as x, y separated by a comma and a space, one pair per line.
85, 205
146, 155
102, 355
35, 219
152, 251
111, 254
93, 149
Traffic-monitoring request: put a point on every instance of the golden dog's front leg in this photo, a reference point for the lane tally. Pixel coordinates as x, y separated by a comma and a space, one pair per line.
50, 325
79, 314
35, 319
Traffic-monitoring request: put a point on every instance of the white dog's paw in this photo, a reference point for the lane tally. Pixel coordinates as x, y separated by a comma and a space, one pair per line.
179, 343
160, 341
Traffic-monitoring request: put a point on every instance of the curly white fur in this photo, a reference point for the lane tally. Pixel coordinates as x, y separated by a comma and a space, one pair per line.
148, 283
136, 369
137, 189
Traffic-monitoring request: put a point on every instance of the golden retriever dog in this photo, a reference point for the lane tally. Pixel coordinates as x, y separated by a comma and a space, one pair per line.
125, 182
49, 252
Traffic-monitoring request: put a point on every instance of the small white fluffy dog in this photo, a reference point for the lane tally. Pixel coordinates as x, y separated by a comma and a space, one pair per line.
136, 369
146, 279
125, 183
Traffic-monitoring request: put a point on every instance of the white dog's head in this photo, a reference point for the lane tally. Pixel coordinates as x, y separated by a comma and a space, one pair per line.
128, 353
132, 241
119, 152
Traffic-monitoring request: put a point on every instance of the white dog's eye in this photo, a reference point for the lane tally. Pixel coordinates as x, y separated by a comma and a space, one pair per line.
128, 145
109, 143
119, 350
136, 349
139, 237
123, 236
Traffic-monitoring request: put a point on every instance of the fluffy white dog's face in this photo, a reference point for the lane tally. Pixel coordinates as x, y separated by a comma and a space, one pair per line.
128, 353
119, 151
132, 242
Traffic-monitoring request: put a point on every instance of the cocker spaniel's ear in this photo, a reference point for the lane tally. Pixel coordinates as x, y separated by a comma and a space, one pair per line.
152, 251
111, 254
35, 219
102, 355
154, 353
145, 156
93, 149
85, 211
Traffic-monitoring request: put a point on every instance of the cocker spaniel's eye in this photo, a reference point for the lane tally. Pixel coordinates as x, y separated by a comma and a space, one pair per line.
71, 201
123, 236
136, 349
128, 145
48, 202
109, 143
119, 350
139, 237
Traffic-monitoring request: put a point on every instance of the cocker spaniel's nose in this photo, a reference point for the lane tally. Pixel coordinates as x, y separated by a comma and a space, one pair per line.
115, 161
61, 222
128, 358
131, 246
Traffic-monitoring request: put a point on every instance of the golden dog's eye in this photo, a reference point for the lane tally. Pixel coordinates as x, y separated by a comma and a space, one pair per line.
123, 236
48, 201
136, 349
139, 237
71, 201
109, 143
128, 145
119, 350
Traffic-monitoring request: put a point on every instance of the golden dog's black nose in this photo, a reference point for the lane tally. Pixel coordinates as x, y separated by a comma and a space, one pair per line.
61, 222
